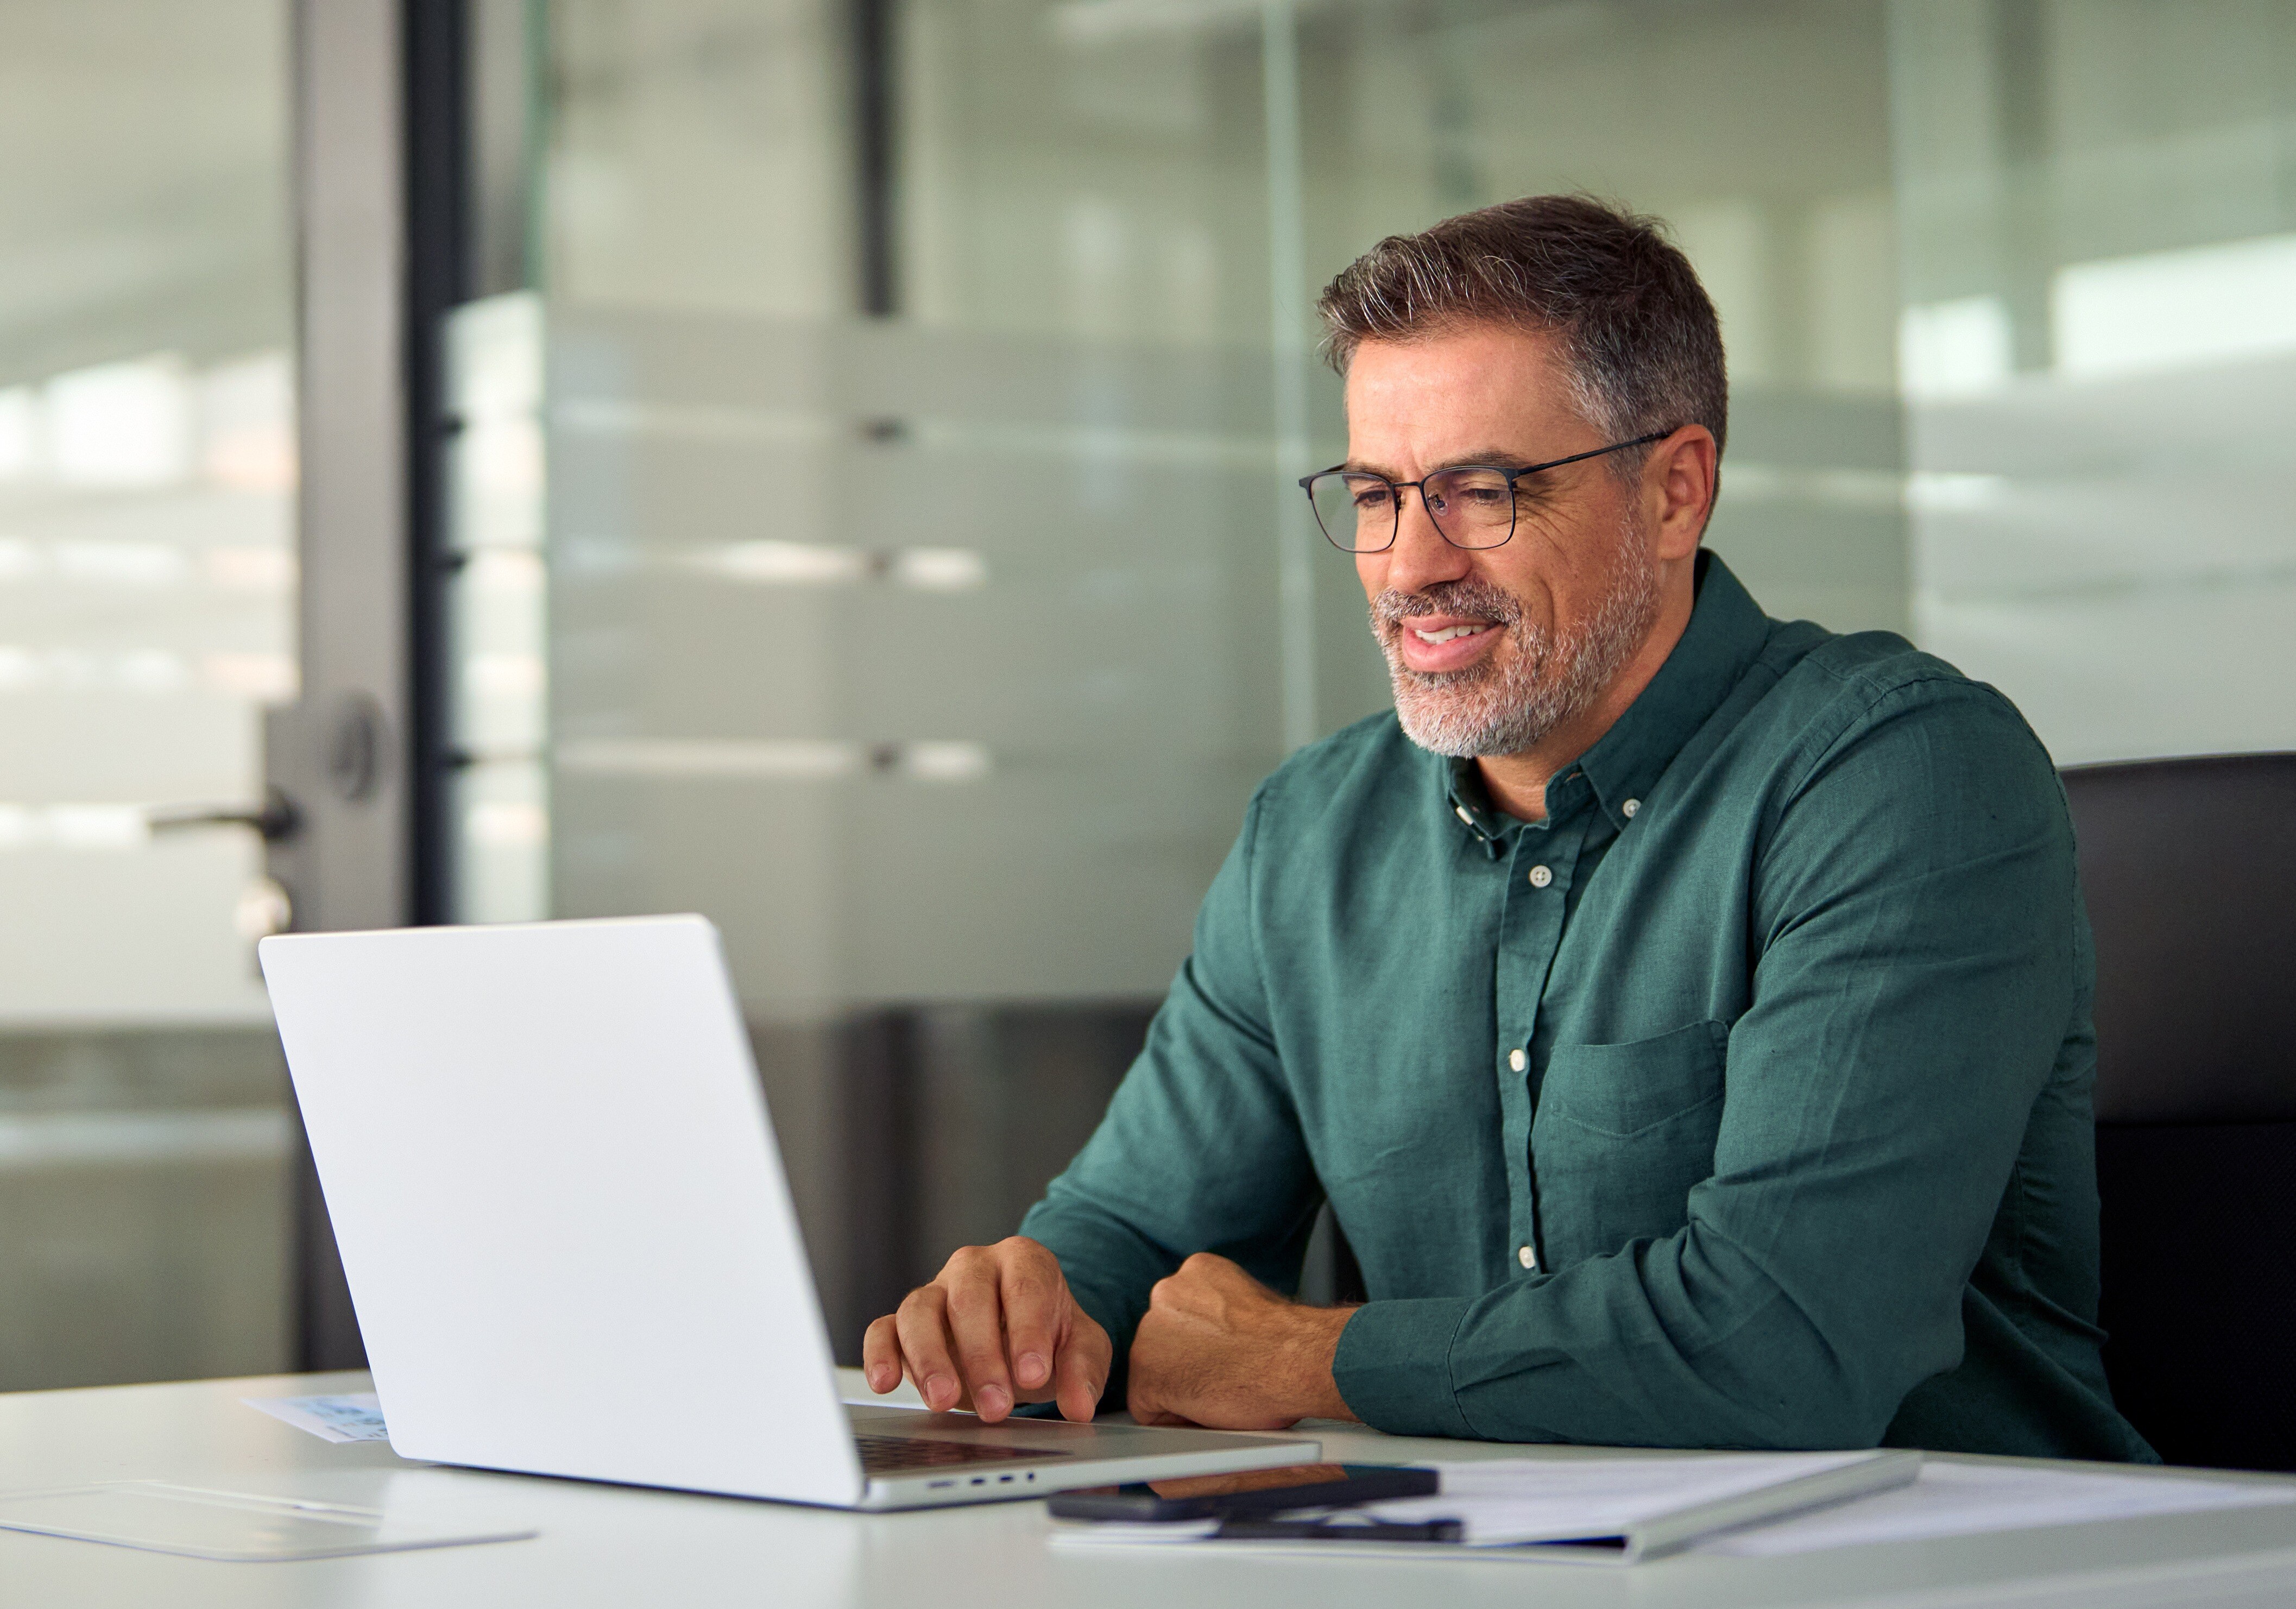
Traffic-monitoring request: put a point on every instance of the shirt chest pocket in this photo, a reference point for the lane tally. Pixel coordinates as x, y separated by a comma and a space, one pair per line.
1622, 1135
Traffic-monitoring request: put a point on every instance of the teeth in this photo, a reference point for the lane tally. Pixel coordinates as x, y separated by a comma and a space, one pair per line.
1447, 633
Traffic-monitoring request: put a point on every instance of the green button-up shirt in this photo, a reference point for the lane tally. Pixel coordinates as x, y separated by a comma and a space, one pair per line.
1742, 1101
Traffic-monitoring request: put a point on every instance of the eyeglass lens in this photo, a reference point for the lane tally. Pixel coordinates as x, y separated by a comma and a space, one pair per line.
1359, 512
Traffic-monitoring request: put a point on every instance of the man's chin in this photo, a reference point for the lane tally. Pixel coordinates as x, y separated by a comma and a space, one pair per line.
1441, 722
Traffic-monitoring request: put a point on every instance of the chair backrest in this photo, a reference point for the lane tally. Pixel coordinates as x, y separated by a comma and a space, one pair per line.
2189, 866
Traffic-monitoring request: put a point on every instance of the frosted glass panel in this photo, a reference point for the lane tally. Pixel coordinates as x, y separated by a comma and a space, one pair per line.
866, 643
935, 653
2101, 351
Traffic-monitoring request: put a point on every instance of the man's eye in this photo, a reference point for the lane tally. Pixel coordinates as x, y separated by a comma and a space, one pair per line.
1478, 489
1373, 498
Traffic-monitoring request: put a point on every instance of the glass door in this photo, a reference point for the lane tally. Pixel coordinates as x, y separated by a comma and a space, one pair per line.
147, 579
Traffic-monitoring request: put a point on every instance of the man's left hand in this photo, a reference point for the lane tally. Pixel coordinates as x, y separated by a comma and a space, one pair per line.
1217, 1348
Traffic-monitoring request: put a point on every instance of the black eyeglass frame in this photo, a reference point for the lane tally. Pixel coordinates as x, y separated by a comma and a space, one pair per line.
1307, 486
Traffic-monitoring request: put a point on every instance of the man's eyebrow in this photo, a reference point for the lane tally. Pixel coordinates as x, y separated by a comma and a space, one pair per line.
1496, 457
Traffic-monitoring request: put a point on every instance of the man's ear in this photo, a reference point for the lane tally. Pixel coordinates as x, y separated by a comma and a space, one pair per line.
1678, 479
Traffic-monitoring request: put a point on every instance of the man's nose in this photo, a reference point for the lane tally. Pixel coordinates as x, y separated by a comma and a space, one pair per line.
1420, 557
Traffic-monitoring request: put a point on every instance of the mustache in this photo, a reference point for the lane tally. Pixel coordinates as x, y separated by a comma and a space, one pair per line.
1476, 600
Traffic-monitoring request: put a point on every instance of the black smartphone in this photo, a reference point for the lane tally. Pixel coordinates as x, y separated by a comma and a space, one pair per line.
1252, 1492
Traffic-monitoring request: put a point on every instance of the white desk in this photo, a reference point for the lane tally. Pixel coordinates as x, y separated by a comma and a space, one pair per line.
619, 1546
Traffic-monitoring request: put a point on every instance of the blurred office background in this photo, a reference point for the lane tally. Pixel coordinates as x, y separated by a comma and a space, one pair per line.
840, 482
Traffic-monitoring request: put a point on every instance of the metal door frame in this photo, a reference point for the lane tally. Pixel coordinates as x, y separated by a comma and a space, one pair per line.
380, 121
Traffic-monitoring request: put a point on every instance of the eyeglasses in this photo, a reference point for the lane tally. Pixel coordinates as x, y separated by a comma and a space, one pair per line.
1472, 506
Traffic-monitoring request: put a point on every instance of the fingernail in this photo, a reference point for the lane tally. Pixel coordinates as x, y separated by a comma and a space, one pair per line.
940, 1388
881, 1379
991, 1399
1032, 1368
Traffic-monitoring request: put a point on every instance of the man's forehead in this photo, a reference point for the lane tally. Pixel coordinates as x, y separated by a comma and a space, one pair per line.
1457, 393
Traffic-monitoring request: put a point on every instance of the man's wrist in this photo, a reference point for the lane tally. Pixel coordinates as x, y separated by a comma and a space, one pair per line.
1313, 1390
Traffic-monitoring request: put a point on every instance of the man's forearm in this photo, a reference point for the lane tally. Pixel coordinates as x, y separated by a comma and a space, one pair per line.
1217, 1347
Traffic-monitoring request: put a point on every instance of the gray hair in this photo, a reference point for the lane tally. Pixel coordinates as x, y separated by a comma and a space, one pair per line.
1640, 342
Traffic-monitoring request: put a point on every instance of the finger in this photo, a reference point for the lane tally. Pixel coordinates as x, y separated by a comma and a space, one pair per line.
976, 1329
1081, 1371
881, 1355
921, 1327
1034, 1297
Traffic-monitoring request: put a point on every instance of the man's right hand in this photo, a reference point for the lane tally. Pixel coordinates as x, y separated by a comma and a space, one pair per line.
996, 1327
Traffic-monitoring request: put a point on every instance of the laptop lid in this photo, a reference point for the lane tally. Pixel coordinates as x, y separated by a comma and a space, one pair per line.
560, 1205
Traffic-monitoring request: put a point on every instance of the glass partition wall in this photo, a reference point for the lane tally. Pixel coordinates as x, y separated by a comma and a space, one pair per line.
2100, 341
874, 496
147, 569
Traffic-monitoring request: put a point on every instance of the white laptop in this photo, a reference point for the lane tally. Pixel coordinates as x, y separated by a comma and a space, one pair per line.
568, 1241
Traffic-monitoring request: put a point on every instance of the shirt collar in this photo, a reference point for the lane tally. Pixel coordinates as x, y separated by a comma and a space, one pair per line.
1725, 634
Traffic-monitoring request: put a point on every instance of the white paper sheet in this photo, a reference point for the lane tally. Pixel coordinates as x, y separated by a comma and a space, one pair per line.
354, 1416
1964, 1500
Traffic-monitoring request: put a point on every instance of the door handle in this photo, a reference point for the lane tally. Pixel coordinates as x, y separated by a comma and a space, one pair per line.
264, 907
273, 820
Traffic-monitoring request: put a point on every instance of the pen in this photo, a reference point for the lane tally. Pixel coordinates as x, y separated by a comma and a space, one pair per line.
1324, 1531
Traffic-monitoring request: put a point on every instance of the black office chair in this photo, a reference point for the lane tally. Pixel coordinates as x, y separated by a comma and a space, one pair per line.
2190, 870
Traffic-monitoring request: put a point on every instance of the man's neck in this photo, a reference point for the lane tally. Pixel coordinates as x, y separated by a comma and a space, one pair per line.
1517, 783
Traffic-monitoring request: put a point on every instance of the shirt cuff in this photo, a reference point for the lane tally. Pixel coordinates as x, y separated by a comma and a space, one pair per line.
1393, 1366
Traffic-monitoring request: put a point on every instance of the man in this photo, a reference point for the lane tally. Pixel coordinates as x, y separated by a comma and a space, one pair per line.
1686, 1014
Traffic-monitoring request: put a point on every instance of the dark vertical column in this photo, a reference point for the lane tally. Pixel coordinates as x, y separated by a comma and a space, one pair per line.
437, 121
878, 1086
876, 200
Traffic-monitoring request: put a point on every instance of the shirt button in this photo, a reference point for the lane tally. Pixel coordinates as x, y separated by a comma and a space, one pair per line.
1528, 1257
1517, 1060
1628, 808
1461, 811
1540, 876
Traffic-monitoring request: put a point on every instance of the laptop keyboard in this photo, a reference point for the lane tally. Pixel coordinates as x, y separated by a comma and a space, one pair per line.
885, 1455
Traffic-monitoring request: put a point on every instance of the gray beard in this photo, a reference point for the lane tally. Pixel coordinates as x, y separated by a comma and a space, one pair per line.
1508, 701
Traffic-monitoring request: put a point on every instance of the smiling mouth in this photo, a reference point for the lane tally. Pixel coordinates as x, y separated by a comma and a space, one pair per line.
1448, 630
